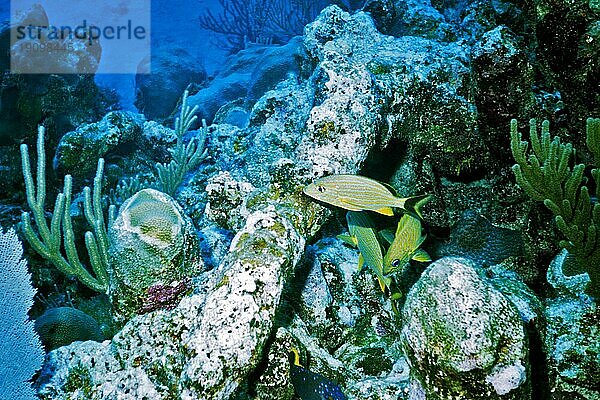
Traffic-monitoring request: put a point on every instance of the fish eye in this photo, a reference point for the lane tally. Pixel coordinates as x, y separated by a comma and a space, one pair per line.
321, 188
395, 263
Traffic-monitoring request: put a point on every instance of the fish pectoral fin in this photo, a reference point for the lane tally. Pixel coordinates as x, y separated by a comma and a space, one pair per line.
361, 262
385, 211
348, 239
421, 256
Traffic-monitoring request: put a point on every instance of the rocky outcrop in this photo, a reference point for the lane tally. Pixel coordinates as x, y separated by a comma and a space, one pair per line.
462, 337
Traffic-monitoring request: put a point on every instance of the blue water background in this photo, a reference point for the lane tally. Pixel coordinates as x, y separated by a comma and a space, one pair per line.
174, 22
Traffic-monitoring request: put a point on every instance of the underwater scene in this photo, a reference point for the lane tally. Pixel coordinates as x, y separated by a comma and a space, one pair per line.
300, 200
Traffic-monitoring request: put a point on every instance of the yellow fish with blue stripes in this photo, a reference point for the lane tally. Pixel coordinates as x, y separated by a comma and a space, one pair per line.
359, 193
363, 234
405, 246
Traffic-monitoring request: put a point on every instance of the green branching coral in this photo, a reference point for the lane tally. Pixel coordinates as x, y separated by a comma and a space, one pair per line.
546, 175
185, 157
48, 240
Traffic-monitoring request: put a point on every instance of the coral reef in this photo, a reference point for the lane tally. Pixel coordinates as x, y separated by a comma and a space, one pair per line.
218, 264
49, 239
184, 156
78, 150
546, 175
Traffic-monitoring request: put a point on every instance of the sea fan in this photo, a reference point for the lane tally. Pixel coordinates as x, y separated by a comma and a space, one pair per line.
21, 352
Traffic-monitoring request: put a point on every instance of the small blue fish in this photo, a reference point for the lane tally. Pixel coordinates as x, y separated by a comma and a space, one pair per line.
310, 385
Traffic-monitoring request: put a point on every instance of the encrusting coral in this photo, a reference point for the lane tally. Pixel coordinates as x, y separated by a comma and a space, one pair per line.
545, 174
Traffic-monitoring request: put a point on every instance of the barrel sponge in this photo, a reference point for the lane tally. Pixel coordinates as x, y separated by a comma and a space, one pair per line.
156, 220
152, 242
60, 326
21, 353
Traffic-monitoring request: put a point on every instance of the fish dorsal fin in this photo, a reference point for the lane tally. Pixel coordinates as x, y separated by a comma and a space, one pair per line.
390, 188
361, 262
421, 256
348, 239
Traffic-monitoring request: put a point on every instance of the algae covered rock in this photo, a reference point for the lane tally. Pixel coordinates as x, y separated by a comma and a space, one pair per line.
572, 348
462, 337
153, 247
502, 71
86, 370
226, 200
78, 150
275, 382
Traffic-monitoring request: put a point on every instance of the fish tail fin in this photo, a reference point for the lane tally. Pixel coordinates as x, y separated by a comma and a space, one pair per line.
414, 204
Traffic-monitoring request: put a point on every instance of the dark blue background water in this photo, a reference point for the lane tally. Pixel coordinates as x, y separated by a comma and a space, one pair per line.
174, 22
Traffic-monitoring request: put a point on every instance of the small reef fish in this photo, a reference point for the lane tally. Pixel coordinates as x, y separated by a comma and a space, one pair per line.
359, 193
405, 246
363, 234
310, 385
